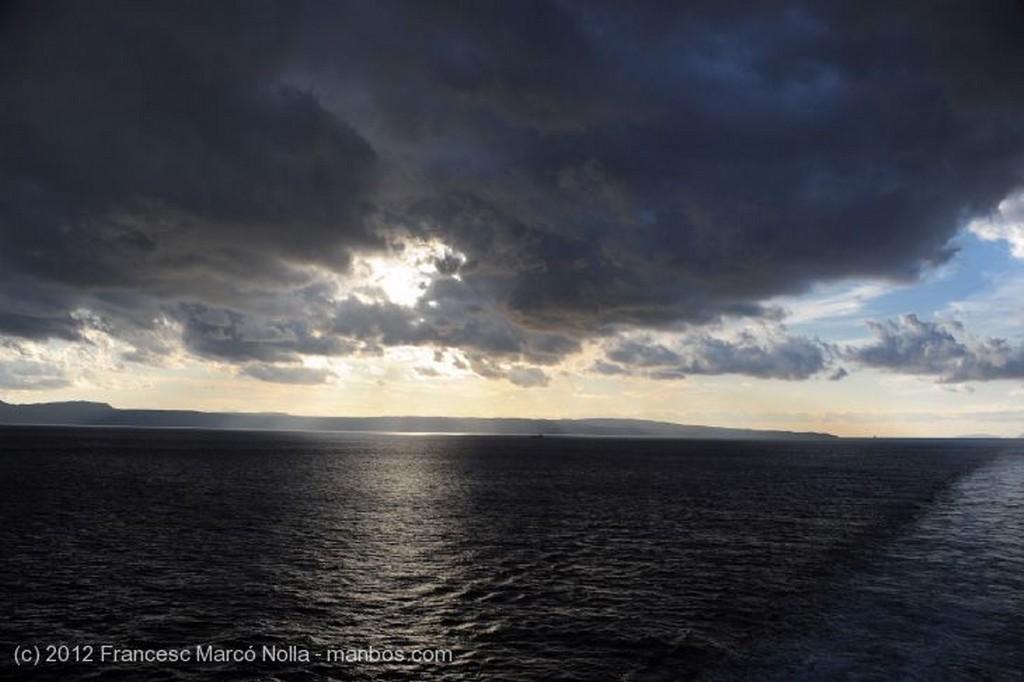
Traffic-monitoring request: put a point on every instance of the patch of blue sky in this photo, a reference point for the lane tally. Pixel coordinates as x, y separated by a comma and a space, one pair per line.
975, 279
974, 269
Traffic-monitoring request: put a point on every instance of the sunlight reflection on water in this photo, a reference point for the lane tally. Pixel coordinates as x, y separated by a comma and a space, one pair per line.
553, 559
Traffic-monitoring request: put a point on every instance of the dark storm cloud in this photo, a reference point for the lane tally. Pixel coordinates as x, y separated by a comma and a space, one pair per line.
782, 357
28, 311
591, 166
354, 326
153, 147
175, 104
839, 374
682, 162
449, 316
35, 327
486, 366
287, 374
235, 337
454, 319
21, 375
608, 368
527, 377
943, 350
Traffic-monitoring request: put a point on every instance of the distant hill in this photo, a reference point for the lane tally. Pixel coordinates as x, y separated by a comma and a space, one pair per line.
101, 414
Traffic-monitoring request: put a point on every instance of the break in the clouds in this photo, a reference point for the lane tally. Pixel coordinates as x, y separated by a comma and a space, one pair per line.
943, 350
240, 182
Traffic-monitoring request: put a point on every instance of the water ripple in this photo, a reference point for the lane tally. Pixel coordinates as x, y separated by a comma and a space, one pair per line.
553, 559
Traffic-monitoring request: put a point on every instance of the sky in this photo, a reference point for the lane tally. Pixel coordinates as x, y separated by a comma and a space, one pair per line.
778, 214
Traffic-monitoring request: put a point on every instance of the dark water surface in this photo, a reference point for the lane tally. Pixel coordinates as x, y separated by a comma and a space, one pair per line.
527, 559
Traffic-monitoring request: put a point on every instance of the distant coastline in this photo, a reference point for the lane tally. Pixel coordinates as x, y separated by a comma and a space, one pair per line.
81, 413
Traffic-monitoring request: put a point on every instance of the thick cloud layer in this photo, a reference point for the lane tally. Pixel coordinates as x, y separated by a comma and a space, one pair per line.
943, 350
592, 167
287, 374
775, 357
153, 148
20, 375
674, 164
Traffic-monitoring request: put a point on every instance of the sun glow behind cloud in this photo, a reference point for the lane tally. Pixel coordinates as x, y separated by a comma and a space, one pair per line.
569, 213
401, 275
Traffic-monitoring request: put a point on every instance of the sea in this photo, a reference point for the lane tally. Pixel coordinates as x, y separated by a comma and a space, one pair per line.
179, 555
